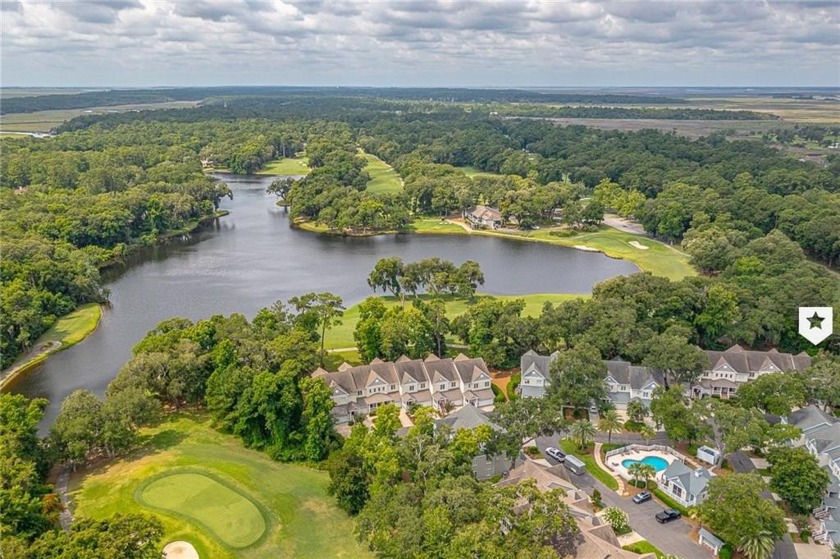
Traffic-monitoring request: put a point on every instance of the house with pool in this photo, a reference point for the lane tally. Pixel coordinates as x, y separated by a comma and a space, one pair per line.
687, 486
684, 484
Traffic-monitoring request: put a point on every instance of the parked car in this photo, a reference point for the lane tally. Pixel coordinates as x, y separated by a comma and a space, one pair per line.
642, 497
667, 515
556, 453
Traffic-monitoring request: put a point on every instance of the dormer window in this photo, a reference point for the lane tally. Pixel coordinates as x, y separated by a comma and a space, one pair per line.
443, 386
393, 387
422, 385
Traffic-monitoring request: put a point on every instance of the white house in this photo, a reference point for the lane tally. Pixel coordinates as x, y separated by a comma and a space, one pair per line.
686, 486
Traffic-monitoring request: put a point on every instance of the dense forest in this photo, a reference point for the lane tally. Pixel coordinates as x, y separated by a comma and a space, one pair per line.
76, 201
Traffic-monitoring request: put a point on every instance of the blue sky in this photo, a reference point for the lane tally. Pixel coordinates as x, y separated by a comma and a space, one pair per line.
420, 43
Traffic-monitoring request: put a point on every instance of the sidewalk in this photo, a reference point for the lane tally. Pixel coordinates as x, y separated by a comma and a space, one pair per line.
621, 483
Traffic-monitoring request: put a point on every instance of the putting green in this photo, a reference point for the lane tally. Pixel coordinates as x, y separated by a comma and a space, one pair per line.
217, 507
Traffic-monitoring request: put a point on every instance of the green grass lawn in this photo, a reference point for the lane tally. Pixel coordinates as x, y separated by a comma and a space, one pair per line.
300, 519
69, 330
342, 336
571, 447
383, 178
286, 166
222, 510
436, 226
643, 546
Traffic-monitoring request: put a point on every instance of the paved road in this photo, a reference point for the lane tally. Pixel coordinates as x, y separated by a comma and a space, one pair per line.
670, 538
742, 464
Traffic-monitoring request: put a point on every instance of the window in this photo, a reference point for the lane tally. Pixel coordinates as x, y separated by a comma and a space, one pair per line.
486, 384
422, 385
443, 386
393, 386
359, 393
453, 385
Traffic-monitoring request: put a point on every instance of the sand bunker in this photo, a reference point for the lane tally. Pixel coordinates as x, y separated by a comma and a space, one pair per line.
180, 550
587, 249
638, 245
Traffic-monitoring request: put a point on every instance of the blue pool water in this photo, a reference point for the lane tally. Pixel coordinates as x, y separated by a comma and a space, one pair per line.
658, 463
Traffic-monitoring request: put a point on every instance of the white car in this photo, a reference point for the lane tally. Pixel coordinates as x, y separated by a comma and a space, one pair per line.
556, 453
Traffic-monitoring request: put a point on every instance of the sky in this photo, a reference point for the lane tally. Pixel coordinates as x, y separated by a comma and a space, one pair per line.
143, 43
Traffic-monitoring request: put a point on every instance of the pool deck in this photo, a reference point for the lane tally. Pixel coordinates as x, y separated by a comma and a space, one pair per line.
614, 462
624, 492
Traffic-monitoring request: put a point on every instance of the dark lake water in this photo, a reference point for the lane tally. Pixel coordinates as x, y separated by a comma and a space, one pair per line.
252, 257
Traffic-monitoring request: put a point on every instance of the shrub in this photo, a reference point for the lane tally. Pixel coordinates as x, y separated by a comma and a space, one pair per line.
725, 552
804, 535
533, 451
564, 233
499, 396
596, 499
513, 384
618, 519
633, 426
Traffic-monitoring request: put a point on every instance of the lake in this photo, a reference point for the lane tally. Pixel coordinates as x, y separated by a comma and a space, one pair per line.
247, 260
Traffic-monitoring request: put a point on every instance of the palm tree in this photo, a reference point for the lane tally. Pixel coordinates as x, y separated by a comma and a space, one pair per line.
635, 470
646, 471
582, 431
610, 422
647, 432
758, 546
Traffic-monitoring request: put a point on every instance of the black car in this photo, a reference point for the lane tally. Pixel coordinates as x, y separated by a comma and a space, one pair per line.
667, 515
642, 497
556, 453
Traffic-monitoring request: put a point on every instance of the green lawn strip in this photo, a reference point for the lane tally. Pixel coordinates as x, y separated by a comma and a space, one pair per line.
341, 336
659, 259
436, 226
666, 499
383, 178
286, 166
305, 522
643, 546
69, 330
571, 447
472, 172
237, 520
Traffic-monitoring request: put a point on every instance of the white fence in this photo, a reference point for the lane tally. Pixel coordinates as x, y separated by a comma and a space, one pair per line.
633, 448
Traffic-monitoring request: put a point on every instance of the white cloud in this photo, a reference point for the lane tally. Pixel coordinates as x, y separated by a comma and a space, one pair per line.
416, 43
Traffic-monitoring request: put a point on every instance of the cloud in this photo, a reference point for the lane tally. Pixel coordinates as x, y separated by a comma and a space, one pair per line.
420, 42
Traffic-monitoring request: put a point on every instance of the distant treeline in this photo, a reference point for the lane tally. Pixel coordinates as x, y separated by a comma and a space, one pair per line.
143, 96
658, 113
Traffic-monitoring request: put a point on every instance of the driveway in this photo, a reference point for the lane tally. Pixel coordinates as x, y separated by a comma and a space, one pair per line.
671, 538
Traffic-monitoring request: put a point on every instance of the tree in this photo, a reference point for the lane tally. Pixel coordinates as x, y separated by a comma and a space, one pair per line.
671, 353
735, 510
609, 422
774, 393
582, 431
577, 377
387, 275
77, 430
635, 470
523, 419
757, 546
318, 311
646, 472
119, 537
637, 411
647, 433
617, 518
670, 409
797, 477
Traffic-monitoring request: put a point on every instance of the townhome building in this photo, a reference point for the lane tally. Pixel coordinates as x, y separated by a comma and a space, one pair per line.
689, 487
624, 380
442, 383
727, 370
821, 437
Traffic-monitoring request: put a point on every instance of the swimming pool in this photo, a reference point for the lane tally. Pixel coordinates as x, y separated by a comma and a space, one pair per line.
658, 463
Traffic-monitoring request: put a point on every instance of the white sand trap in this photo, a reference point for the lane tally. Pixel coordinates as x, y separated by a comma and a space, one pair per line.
638, 245
180, 550
587, 249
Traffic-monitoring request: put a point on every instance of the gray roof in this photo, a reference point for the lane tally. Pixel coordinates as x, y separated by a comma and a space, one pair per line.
809, 417
693, 481
468, 417
746, 361
633, 375
540, 363
711, 538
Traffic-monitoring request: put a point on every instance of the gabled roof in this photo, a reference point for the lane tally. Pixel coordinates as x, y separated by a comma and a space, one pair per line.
485, 213
809, 417
693, 481
468, 417
745, 361
470, 370
535, 361
633, 375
